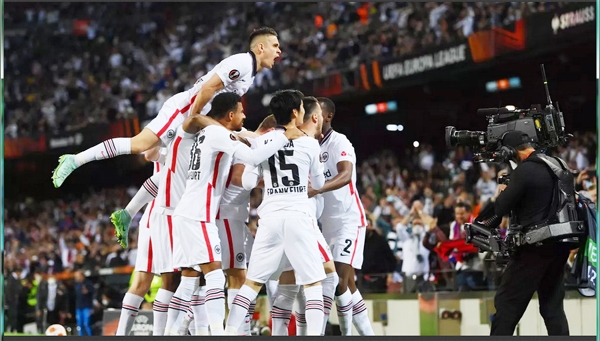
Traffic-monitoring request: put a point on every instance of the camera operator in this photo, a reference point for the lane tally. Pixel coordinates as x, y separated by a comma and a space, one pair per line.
536, 267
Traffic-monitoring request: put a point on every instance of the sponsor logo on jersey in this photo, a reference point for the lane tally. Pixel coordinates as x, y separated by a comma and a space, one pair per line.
344, 154
324, 157
171, 133
231, 136
234, 74
218, 249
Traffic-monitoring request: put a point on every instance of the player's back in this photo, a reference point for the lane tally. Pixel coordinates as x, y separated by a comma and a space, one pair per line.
236, 72
286, 178
344, 201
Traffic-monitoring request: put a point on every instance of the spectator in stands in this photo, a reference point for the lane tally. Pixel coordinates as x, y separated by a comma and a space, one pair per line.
84, 303
378, 258
52, 303
16, 300
469, 274
415, 257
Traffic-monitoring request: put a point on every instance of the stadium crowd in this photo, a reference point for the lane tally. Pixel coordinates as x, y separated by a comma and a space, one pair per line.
68, 64
44, 238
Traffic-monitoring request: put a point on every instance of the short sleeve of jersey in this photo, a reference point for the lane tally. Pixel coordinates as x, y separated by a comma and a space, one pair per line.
223, 140
233, 68
343, 151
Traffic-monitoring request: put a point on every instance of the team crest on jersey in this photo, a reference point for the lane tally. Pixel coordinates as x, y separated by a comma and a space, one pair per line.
231, 136
234, 74
218, 249
344, 154
171, 133
239, 257
324, 157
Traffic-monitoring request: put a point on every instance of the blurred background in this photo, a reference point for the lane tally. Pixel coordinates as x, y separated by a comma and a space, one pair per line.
80, 73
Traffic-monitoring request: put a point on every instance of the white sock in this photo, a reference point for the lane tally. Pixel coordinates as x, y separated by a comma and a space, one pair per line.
344, 310
300, 313
239, 309
215, 301
190, 317
185, 324
282, 308
160, 309
314, 310
231, 293
360, 315
246, 327
329, 285
179, 303
271, 287
105, 150
129, 311
144, 195
199, 309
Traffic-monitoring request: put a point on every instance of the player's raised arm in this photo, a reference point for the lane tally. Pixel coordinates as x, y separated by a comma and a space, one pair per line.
195, 123
255, 156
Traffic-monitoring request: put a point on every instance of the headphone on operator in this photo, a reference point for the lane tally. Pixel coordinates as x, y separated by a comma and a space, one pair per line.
509, 139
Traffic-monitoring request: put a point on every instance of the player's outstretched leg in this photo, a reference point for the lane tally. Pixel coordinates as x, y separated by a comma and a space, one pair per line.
108, 149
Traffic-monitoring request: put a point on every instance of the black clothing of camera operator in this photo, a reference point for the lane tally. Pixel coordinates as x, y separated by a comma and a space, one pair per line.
533, 268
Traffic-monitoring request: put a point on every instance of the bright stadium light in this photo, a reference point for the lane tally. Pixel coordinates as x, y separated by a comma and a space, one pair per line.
400, 127
510, 107
391, 127
416, 144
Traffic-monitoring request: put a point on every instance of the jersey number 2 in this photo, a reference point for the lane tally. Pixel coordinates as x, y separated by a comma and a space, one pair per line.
283, 166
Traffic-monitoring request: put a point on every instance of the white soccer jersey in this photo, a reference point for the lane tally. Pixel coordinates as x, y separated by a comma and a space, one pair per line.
174, 176
237, 73
286, 176
343, 202
211, 155
235, 203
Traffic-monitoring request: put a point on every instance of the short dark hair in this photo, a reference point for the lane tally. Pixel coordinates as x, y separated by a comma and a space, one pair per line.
464, 205
327, 105
262, 31
266, 124
224, 103
310, 104
524, 146
283, 103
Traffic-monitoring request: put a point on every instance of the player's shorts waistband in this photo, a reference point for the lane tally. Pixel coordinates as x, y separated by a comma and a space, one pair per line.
165, 210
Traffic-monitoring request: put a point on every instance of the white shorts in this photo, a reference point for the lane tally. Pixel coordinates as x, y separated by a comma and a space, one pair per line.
347, 242
248, 244
232, 234
161, 230
293, 237
144, 260
196, 242
170, 117
324, 251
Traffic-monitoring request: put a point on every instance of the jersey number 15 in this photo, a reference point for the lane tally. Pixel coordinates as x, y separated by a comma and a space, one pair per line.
283, 166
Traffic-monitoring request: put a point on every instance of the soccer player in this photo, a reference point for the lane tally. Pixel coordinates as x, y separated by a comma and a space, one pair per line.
234, 74
143, 270
173, 178
196, 235
343, 222
231, 219
288, 290
286, 232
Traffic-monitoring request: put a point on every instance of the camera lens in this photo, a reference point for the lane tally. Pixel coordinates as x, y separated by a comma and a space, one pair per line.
464, 137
